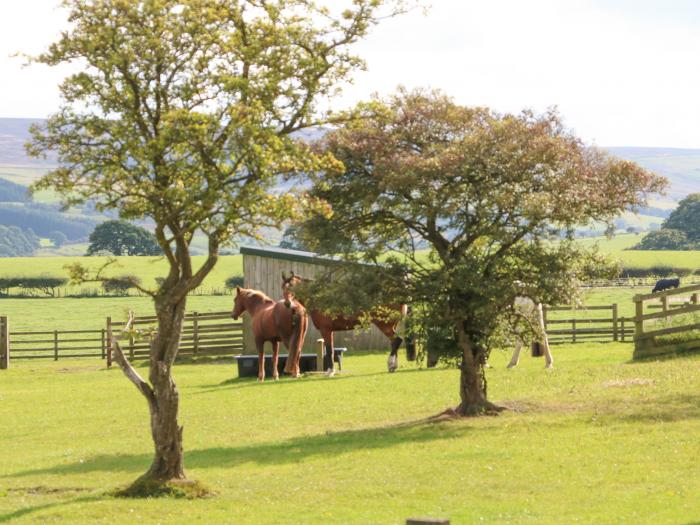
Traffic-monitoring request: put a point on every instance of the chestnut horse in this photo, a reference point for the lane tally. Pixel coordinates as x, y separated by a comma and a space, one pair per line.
327, 324
273, 321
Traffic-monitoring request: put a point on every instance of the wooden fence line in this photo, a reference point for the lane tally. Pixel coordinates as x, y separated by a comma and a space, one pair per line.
646, 341
205, 334
615, 327
200, 337
4, 343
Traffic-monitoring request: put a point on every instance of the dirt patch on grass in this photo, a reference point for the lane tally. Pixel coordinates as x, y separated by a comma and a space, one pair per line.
634, 381
78, 369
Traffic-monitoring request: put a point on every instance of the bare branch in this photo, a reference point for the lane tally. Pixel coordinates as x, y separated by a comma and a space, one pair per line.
129, 371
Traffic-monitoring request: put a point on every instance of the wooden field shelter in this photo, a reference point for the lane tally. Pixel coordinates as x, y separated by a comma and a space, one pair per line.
262, 270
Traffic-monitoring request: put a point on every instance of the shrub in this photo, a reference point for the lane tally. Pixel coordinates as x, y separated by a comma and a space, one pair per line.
232, 282
45, 284
120, 285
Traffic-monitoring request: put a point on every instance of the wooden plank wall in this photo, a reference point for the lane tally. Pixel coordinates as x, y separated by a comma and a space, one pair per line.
265, 274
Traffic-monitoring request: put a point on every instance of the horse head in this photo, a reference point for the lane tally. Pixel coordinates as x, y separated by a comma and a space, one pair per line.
288, 283
239, 305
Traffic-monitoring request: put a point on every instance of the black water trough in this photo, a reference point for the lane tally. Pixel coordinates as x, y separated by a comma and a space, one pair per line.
248, 364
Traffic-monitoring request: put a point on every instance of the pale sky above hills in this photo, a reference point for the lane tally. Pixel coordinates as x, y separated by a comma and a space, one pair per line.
622, 72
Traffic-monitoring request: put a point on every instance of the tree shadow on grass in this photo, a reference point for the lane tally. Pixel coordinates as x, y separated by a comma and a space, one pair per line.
24, 511
289, 451
236, 383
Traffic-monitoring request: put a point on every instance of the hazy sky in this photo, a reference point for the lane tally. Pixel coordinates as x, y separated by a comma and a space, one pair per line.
622, 72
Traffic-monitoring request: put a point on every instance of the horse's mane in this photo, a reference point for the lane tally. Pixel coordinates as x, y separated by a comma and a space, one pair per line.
256, 294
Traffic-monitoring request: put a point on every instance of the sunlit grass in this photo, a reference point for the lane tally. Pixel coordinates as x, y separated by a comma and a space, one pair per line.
596, 440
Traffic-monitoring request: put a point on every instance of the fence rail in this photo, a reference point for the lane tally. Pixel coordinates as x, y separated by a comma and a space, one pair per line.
577, 327
678, 317
204, 334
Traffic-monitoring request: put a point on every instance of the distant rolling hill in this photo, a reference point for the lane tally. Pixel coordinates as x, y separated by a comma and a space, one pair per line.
680, 166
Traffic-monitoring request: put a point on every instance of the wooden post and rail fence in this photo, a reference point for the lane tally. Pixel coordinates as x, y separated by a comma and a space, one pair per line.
679, 320
203, 335
215, 334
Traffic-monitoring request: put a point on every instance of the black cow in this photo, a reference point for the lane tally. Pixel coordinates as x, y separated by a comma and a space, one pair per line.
665, 284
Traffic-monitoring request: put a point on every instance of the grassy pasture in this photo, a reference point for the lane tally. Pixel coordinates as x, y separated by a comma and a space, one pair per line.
596, 440
619, 246
90, 312
147, 268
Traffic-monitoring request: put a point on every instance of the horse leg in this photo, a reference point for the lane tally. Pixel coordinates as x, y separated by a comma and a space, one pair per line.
275, 356
389, 330
302, 336
329, 354
393, 361
548, 359
260, 345
516, 353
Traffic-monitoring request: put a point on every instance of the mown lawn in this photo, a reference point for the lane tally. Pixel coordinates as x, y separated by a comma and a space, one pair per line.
596, 440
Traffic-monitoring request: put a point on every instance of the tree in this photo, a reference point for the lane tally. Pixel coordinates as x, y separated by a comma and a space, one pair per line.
663, 239
291, 240
122, 238
184, 113
58, 238
686, 218
484, 191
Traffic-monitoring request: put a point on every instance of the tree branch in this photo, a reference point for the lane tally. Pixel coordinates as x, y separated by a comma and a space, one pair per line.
129, 371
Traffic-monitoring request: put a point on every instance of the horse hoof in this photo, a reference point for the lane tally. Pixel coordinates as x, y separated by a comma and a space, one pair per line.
276, 378
392, 363
330, 373
261, 379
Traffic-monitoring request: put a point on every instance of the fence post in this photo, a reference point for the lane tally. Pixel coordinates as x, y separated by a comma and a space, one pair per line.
639, 312
664, 304
614, 321
131, 347
694, 298
102, 344
109, 342
573, 330
195, 333
4, 343
55, 345
622, 327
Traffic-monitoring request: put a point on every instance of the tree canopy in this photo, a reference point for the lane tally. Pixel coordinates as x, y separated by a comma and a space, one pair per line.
122, 238
681, 231
465, 201
184, 112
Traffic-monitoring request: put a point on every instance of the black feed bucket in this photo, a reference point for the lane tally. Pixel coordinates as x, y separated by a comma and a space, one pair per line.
537, 349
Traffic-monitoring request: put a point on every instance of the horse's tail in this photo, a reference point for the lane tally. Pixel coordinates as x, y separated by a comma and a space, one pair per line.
296, 342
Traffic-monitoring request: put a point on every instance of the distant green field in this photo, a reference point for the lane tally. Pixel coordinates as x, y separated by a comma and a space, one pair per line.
619, 246
147, 268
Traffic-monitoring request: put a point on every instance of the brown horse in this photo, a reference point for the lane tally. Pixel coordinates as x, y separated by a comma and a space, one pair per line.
327, 324
273, 321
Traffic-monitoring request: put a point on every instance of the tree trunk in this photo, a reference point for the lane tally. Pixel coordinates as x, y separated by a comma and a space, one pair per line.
472, 381
168, 463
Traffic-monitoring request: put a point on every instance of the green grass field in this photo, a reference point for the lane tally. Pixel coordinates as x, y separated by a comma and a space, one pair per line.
147, 268
596, 440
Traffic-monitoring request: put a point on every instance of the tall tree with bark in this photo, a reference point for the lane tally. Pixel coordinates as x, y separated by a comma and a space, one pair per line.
457, 208
184, 112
